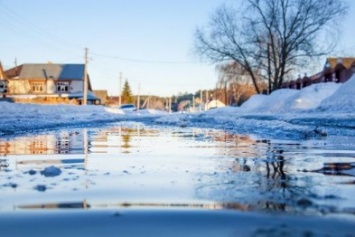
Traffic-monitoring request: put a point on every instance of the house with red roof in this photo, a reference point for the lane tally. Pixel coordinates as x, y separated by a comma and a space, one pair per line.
334, 70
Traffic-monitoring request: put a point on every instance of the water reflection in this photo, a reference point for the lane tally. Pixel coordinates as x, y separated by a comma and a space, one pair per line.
337, 169
85, 205
77, 142
49, 144
271, 177
4, 163
64, 205
139, 166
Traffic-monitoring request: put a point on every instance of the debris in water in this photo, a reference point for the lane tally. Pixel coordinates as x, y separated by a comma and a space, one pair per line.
12, 185
41, 188
51, 171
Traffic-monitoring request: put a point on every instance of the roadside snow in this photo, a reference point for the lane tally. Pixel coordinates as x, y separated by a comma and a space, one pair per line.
289, 100
274, 102
342, 100
286, 112
309, 98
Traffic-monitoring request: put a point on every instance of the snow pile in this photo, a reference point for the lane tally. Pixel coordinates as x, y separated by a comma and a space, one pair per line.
254, 102
224, 111
152, 111
114, 110
309, 97
342, 100
272, 103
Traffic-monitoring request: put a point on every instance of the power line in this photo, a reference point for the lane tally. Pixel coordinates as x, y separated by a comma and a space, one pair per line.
22, 26
35, 28
140, 60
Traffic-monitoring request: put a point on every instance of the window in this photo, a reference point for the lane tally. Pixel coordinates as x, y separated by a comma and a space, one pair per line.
62, 146
62, 86
37, 87
63, 143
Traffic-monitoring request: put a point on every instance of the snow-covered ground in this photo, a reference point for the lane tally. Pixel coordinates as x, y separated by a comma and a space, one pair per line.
316, 110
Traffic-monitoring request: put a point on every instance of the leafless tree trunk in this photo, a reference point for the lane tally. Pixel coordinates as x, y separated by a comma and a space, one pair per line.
271, 38
233, 78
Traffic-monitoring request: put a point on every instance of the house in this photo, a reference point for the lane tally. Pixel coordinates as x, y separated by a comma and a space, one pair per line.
49, 81
214, 104
3, 81
334, 70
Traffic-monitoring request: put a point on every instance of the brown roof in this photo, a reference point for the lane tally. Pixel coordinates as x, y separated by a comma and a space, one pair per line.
13, 72
346, 62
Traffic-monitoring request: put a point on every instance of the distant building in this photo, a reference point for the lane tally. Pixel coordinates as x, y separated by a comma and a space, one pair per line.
64, 81
335, 70
102, 95
214, 104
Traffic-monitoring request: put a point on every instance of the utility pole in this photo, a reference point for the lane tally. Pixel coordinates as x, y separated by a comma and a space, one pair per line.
85, 95
206, 104
200, 101
138, 96
120, 92
169, 104
15, 66
193, 104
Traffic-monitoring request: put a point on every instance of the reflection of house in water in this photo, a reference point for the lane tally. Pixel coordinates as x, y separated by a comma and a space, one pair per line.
235, 145
4, 163
4, 148
60, 143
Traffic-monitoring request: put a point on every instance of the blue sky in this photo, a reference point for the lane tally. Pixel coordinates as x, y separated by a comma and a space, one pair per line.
150, 42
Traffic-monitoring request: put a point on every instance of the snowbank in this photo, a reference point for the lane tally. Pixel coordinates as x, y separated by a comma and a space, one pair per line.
342, 100
254, 102
309, 98
27, 117
290, 110
272, 103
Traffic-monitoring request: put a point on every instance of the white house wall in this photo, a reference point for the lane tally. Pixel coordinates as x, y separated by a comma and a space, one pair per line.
76, 86
18, 87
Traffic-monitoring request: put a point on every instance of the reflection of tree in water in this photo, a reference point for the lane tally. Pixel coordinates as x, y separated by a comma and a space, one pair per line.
267, 183
284, 189
126, 138
278, 180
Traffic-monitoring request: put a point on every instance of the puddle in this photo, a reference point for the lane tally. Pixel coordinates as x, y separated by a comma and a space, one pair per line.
140, 167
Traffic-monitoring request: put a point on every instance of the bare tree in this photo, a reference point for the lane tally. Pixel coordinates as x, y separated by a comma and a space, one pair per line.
271, 38
235, 84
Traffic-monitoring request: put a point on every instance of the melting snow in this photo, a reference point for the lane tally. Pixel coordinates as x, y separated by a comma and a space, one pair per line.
324, 100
